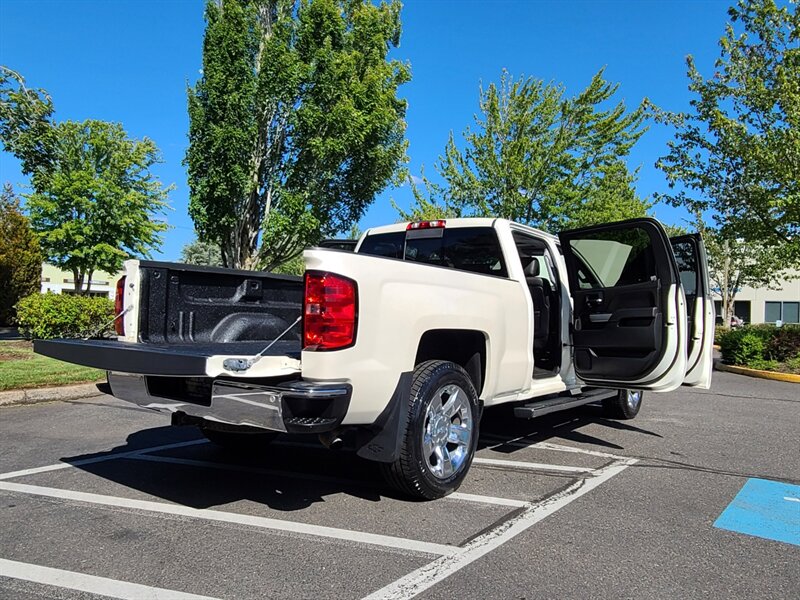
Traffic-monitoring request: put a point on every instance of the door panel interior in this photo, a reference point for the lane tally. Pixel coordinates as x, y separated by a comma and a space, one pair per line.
623, 280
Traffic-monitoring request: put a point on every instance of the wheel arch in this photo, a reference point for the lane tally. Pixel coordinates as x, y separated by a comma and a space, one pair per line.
464, 347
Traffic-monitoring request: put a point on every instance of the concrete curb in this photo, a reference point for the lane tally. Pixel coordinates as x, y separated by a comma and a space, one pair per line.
772, 375
32, 396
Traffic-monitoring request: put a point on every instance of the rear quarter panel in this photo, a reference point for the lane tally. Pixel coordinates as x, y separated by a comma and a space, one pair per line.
397, 303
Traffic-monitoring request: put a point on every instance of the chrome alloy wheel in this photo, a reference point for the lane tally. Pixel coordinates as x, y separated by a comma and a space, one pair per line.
633, 398
447, 436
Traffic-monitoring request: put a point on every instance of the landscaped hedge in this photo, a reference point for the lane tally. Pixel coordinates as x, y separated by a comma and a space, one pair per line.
44, 316
762, 347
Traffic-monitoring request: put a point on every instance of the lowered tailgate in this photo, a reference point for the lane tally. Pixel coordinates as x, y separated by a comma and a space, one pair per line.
208, 359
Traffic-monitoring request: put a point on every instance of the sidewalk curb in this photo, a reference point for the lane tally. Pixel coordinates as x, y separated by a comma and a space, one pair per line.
32, 396
772, 375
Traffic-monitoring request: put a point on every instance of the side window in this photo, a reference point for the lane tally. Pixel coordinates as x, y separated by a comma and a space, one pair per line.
535, 257
687, 266
614, 258
388, 245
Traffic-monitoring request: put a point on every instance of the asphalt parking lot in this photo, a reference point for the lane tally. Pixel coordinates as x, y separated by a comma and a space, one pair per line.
100, 498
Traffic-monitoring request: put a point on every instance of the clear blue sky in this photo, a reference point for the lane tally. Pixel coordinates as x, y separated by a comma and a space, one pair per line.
129, 61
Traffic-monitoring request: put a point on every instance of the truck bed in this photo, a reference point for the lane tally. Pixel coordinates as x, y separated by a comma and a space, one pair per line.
187, 320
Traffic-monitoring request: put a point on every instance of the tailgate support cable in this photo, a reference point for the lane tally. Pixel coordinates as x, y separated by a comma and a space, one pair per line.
241, 364
105, 326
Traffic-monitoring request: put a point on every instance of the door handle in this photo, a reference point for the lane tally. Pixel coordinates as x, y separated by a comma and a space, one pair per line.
594, 300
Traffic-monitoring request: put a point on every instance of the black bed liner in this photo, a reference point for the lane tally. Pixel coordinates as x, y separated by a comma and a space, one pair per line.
185, 360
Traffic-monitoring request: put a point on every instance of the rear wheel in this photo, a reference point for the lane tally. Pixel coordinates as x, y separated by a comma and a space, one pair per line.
441, 432
625, 405
237, 439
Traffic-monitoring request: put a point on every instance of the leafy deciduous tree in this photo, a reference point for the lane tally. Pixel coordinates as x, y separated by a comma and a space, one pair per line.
199, 252
737, 153
295, 124
20, 257
539, 158
95, 204
94, 200
734, 264
25, 121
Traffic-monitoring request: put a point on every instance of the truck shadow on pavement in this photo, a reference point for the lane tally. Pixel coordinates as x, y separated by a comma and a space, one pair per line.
293, 473
499, 422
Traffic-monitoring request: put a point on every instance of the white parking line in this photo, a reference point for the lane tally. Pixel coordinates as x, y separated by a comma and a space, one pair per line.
227, 517
426, 576
98, 459
493, 462
309, 477
487, 500
90, 583
519, 442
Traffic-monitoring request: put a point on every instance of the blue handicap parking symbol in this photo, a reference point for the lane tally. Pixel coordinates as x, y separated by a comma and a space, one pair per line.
765, 509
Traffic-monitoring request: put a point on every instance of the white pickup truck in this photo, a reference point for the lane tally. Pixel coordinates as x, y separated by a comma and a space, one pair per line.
396, 348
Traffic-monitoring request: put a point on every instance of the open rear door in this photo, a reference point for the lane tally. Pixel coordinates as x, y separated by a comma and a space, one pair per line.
629, 311
690, 255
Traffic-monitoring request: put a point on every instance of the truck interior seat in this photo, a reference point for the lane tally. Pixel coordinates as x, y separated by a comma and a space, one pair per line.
540, 295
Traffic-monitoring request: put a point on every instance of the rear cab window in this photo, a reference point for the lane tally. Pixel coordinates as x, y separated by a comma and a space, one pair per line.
471, 249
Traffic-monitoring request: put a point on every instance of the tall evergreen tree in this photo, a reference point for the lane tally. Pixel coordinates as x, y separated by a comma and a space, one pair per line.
295, 124
20, 257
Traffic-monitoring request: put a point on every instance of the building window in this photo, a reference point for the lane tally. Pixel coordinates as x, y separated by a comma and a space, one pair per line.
741, 308
788, 312
791, 312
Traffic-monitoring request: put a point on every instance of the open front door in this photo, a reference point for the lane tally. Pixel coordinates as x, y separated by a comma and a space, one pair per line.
690, 255
629, 311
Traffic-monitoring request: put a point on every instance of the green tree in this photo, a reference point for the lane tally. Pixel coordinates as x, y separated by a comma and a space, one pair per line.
20, 257
198, 252
295, 124
737, 263
539, 158
96, 202
736, 154
25, 121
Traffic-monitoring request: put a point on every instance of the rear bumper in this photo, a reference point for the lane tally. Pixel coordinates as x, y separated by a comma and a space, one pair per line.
295, 407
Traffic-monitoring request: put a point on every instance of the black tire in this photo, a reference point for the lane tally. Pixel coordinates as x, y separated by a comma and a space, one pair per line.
625, 405
420, 473
237, 439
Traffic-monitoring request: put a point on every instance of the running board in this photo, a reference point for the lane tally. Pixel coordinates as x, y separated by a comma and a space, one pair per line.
551, 405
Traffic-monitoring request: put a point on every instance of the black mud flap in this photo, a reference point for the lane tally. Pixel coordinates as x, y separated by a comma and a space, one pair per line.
381, 442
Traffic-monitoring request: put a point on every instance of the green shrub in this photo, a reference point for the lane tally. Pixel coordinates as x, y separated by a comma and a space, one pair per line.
743, 345
793, 364
784, 343
44, 316
719, 331
763, 365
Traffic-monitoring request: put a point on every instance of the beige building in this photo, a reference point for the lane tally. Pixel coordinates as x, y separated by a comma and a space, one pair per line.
62, 282
761, 305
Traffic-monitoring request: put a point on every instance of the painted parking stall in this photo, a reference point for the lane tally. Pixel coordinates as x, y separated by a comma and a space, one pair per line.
765, 509
166, 481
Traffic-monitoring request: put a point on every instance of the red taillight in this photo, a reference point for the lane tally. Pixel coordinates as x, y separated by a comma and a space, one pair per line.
329, 311
119, 306
427, 225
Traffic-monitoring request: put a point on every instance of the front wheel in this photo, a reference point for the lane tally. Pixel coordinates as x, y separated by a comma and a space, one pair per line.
441, 432
625, 405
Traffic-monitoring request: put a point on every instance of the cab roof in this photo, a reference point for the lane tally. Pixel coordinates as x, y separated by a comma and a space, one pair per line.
462, 222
